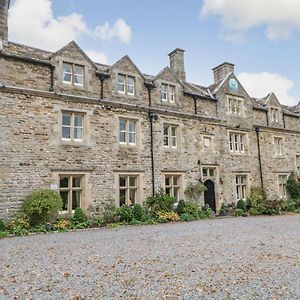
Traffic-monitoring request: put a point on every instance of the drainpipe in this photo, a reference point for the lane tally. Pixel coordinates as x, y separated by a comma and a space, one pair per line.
257, 130
152, 117
102, 77
195, 105
52, 68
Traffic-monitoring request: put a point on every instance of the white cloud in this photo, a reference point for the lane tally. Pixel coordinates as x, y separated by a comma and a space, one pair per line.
97, 56
32, 22
119, 30
260, 84
279, 17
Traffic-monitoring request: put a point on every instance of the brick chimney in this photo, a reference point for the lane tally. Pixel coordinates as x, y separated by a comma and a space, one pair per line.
4, 5
222, 70
177, 63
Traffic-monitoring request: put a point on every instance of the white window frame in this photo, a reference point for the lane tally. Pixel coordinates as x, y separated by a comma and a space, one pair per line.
126, 84
278, 142
175, 189
237, 142
274, 114
169, 136
128, 132
241, 186
73, 73
72, 126
211, 172
282, 181
128, 188
167, 92
70, 189
235, 105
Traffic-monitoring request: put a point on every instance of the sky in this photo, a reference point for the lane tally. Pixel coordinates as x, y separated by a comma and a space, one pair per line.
261, 37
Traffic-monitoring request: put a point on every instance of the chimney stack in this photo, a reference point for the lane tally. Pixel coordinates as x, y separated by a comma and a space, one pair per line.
177, 63
222, 70
4, 6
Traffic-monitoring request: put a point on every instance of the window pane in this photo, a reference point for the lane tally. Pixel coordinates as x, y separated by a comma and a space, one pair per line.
67, 77
167, 181
132, 181
76, 195
122, 137
122, 197
131, 138
132, 197
176, 192
66, 120
65, 196
175, 180
168, 191
79, 70
67, 68
122, 181
132, 126
78, 80
76, 181
122, 125
173, 131
78, 133
64, 182
78, 120
205, 172
66, 132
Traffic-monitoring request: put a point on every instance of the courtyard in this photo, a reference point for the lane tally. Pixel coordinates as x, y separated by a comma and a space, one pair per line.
232, 258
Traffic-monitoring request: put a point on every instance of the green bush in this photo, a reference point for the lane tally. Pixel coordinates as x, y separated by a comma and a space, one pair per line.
41, 205
125, 213
293, 186
192, 209
239, 212
180, 207
253, 211
79, 215
2, 225
138, 212
290, 205
274, 207
241, 205
206, 212
3, 234
186, 217
160, 202
109, 214
257, 201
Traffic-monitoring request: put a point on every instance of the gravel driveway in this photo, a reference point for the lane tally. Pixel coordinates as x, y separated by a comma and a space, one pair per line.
238, 258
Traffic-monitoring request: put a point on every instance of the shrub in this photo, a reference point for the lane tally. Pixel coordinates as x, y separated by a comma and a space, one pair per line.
79, 215
223, 213
138, 212
61, 225
180, 207
241, 205
168, 216
186, 217
290, 205
274, 207
239, 212
253, 212
293, 186
192, 209
257, 201
206, 212
3, 234
19, 225
2, 225
40, 205
160, 202
125, 213
193, 191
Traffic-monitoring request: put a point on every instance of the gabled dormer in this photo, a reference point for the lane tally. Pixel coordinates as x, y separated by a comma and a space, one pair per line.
74, 70
233, 102
275, 113
169, 88
127, 81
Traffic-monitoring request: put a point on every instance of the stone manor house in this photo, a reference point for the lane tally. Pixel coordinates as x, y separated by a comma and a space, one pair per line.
95, 132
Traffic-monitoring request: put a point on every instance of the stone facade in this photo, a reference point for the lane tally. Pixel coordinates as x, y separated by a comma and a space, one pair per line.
217, 134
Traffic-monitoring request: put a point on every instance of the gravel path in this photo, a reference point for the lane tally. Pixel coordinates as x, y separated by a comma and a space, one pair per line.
238, 258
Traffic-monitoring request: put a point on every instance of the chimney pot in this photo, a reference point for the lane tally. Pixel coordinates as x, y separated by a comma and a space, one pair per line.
222, 70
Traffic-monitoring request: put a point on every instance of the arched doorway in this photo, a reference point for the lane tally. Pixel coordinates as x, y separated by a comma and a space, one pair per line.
209, 194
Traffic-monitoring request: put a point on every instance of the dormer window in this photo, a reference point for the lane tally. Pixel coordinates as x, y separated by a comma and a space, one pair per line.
274, 113
126, 84
235, 106
73, 74
167, 93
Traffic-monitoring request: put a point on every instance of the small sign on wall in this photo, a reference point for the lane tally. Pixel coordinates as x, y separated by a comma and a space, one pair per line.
53, 187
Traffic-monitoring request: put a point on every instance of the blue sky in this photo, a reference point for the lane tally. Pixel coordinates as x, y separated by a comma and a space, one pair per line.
263, 47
